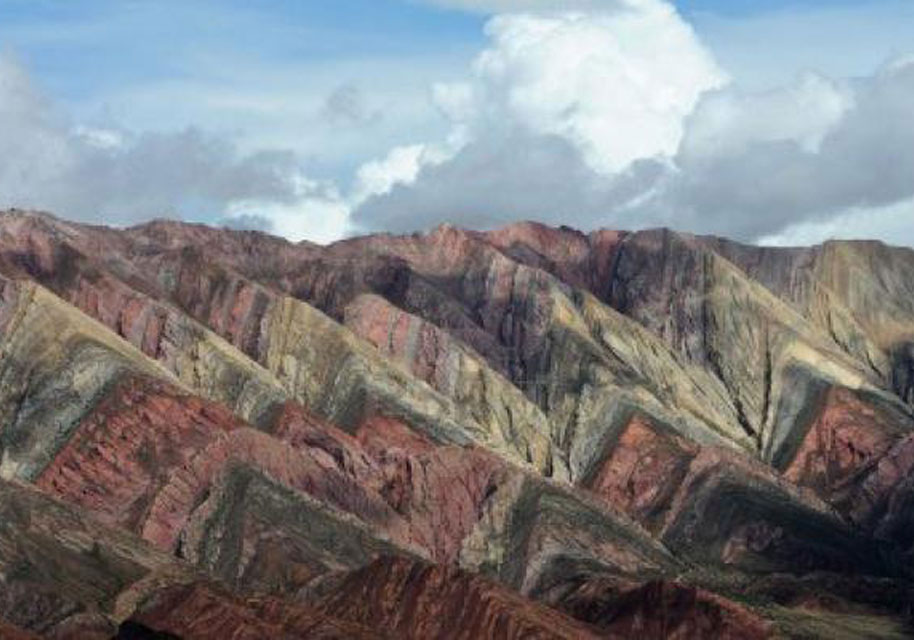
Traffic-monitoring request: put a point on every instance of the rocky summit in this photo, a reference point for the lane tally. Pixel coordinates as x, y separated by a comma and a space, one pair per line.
525, 433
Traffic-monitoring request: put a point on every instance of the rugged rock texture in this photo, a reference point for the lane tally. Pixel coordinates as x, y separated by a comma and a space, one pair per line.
9, 632
481, 395
63, 572
199, 611
847, 436
663, 610
451, 434
645, 467
413, 600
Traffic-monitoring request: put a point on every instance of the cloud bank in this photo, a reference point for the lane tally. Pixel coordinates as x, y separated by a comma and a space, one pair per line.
592, 114
103, 174
624, 120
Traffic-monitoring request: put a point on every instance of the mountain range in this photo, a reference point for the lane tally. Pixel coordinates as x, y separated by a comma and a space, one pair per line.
530, 432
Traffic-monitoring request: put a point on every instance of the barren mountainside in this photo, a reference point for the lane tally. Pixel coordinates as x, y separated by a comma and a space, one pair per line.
524, 433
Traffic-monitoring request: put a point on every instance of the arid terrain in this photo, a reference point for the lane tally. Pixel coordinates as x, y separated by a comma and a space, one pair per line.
525, 433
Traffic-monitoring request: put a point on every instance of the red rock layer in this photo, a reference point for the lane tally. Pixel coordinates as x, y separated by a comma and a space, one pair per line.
584, 261
329, 445
40, 249
10, 632
132, 288
881, 499
846, 436
665, 611
451, 278
227, 303
198, 612
291, 468
146, 457
421, 346
643, 471
414, 600
125, 449
440, 490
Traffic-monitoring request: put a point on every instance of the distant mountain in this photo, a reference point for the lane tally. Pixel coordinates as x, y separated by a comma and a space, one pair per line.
525, 433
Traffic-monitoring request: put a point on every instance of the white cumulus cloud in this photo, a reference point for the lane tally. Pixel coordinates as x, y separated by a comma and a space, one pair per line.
729, 121
401, 166
852, 149
317, 213
617, 85
892, 223
568, 99
622, 119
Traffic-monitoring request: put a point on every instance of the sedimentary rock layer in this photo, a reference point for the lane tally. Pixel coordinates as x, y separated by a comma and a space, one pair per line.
528, 432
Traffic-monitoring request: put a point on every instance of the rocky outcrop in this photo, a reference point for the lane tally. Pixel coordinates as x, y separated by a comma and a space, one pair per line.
440, 490
63, 575
182, 472
415, 600
643, 470
56, 364
480, 394
148, 456
307, 349
663, 611
119, 458
845, 437
205, 613
728, 514
122, 298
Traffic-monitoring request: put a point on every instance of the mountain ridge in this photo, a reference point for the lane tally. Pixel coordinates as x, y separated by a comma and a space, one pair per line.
592, 423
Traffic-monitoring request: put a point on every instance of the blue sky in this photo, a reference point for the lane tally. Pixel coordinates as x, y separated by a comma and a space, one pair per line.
81, 48
84, 51
341, 84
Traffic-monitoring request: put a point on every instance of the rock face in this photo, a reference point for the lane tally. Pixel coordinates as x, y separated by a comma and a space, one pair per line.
529, 432
9, 632
661, 610
200, 611
410, 600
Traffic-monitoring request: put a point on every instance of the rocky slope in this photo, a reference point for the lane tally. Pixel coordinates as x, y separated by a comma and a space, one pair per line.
530, 432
